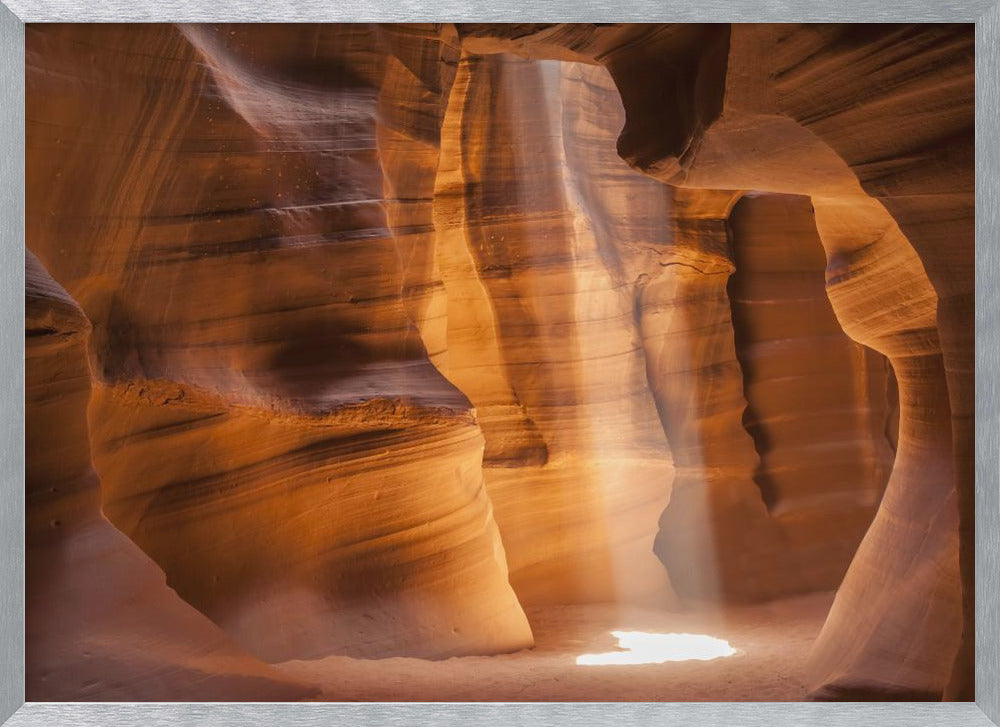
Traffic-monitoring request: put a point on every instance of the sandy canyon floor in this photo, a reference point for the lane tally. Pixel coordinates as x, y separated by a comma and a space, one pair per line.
771, 641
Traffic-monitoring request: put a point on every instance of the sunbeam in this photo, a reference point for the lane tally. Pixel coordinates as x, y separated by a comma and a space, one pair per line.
645, 648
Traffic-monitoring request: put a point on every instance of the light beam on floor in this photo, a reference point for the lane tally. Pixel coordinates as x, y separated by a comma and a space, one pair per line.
645, 648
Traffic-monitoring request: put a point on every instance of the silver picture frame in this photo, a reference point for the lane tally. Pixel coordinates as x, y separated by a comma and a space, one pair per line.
985, 14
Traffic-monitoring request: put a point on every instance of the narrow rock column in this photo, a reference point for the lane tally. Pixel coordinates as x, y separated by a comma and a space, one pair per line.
896, 623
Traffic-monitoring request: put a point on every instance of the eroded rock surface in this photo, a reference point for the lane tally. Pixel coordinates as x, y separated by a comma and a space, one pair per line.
329, 498
400, 329
100, 619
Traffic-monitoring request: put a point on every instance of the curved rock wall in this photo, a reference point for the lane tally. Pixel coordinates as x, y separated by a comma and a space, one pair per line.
818, 403
903, 586
458, 283
715, 538
576, 463
906, 93
245, 287
779, 369
100, 621
818, 110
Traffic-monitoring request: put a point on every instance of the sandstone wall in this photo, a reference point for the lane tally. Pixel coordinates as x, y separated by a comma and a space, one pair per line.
399, 328
100, 620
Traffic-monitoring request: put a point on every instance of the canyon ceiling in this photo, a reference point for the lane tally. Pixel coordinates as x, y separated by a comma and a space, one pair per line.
362, 339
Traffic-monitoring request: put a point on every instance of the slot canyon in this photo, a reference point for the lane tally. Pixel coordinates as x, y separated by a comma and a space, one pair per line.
423, 362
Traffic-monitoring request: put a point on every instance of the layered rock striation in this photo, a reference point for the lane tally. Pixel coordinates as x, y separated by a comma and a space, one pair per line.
100, 619
330, 496
399, 329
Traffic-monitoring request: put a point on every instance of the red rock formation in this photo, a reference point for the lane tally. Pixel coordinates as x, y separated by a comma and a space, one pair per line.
454, 284
100, 620
280, 322
788, 123
904, 578
577, 464
818, 404
781, 510
899, 111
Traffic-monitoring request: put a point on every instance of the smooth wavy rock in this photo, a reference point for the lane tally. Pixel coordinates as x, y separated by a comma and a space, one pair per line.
399, 327
541, 329
876, 125
820, 406
379, 536
245, 290
746, 514
896, 104
100, 619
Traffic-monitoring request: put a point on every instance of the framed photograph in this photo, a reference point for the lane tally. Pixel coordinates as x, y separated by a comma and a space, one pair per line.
425, 365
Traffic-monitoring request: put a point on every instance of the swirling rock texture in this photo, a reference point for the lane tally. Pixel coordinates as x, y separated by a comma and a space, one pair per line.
398, 331
124, 635
277, 353
820, 407
578, 465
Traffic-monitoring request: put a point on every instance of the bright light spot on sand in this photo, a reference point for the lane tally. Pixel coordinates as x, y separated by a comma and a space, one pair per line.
644, 648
